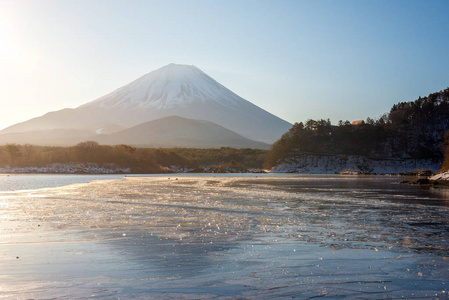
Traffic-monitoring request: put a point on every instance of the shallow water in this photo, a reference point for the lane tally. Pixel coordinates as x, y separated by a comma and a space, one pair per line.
227, 237
18, 182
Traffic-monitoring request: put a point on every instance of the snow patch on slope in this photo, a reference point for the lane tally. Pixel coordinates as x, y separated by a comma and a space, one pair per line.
441, 176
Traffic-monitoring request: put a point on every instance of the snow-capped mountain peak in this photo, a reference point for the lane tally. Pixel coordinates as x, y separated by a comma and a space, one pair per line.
174, 90
170, 86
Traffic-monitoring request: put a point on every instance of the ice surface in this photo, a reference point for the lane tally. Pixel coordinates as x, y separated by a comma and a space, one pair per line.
226, 237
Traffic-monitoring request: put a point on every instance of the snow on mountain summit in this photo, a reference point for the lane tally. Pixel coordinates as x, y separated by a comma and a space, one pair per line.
173, 90
170, 86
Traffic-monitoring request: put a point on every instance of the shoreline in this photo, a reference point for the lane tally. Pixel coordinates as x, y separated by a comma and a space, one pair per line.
22, 181
32, 170
428, 182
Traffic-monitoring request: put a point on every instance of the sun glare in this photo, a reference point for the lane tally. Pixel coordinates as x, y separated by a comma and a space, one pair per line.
17, 56
5, 39
9, 35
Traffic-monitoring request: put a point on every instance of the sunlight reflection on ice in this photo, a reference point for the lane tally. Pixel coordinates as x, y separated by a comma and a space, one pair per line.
225, 236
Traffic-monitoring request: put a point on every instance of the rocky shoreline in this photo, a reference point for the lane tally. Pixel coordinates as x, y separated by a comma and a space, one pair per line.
84, 168
438, 180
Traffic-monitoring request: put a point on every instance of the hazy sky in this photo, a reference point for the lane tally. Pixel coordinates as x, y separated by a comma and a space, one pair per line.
296, 59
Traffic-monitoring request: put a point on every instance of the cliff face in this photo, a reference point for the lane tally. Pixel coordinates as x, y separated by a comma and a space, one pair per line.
329, 164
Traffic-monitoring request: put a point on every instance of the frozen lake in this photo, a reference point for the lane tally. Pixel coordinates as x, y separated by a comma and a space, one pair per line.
207, 236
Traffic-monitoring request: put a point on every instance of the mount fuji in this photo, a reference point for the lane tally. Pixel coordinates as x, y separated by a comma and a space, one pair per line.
173, 90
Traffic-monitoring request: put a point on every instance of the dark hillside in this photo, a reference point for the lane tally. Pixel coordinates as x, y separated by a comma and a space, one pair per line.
411, 130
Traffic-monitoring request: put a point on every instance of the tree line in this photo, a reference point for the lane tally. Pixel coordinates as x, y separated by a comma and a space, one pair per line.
138, 160
412, 129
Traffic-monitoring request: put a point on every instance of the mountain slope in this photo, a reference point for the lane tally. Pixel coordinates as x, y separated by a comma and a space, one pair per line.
176, 131
179, 90
50, 137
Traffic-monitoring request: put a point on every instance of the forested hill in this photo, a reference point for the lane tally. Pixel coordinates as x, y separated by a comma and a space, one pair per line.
411, 130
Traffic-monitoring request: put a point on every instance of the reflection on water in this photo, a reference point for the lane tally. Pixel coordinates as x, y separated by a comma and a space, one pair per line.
224, 236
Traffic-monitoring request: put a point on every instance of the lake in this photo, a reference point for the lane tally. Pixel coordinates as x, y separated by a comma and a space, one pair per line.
225, 236
17, 182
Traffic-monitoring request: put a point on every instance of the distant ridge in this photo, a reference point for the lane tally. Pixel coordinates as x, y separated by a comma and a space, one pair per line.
173, 90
